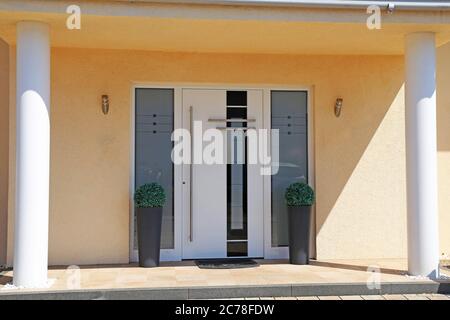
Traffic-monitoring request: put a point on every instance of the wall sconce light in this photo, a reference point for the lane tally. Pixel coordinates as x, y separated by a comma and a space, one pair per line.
338, 107
105, 104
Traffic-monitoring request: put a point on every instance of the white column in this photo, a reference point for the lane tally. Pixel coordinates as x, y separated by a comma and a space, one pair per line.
421, 154
32, 154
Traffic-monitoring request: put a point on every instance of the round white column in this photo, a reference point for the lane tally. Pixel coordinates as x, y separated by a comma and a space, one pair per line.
32, 154
421, 154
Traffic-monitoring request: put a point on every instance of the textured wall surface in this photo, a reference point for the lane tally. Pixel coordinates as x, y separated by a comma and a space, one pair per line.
443, 141
4, 147
359, 157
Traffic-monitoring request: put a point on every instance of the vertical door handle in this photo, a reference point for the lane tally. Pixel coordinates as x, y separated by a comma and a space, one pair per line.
191, 176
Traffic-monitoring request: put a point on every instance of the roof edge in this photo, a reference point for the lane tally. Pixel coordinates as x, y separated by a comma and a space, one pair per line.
324, 4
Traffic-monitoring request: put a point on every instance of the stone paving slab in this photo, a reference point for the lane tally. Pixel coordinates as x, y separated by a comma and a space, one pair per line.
372, 297
415, 297
351, 298
308, 298
437, 297
329, 298
220, 292
394, 297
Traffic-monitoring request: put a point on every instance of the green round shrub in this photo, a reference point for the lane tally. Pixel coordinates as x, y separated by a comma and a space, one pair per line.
299, 194
150, 195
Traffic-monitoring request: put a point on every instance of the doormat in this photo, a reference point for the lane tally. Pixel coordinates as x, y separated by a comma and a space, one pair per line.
226, 263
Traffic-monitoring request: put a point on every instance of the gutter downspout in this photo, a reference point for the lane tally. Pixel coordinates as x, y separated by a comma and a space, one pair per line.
320, 4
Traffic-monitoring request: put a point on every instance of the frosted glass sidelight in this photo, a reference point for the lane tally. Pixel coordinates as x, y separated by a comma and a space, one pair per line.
153, 147
289, 116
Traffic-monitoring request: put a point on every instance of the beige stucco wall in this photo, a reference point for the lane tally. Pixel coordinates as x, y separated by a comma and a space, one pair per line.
443, 135
359, 157
4, 147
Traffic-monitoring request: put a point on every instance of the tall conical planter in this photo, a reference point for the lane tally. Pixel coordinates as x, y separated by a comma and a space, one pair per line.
149, 222
299, 234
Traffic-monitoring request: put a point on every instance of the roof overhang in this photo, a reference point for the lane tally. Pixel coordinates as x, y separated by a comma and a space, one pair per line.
150, 25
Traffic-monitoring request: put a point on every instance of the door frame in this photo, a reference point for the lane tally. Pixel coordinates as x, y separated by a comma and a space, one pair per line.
175, 254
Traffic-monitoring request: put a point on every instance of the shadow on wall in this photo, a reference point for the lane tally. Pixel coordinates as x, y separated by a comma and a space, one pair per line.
360, 163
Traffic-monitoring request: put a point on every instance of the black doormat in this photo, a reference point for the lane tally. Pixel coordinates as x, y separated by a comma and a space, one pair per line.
233, 263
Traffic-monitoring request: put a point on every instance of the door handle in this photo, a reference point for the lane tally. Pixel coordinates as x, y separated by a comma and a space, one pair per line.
191, 177
231, 120
235, 128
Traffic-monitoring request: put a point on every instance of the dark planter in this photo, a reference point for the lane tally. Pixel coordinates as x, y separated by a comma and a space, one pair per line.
149, 236
299, 229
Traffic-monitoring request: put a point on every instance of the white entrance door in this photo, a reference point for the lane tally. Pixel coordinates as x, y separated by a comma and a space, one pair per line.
222, 203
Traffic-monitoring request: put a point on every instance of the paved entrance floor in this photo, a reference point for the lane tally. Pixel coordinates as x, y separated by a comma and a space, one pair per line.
272, 278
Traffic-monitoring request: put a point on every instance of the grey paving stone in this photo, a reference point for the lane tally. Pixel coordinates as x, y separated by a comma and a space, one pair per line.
220, 292
240, 291
413, 287
325, 289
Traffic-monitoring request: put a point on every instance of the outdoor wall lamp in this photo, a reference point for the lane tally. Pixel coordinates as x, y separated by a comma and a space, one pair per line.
338, 107
105, 104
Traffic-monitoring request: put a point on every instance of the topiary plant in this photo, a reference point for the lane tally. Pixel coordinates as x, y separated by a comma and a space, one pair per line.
150, 195
299, 194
